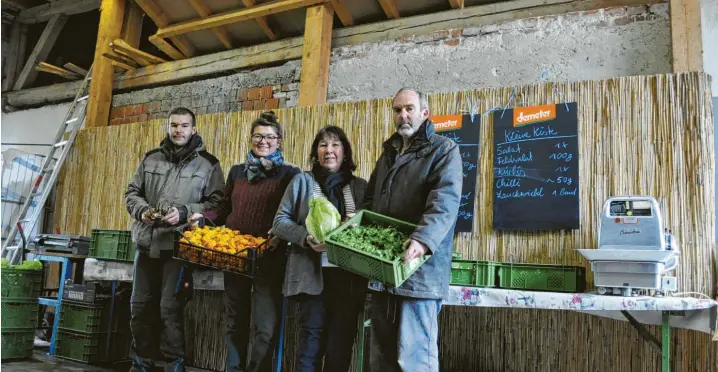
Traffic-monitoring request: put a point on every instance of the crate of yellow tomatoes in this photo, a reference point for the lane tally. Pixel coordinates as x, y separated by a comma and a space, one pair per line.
219, 248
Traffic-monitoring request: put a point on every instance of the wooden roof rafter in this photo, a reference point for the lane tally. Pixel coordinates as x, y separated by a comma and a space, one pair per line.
56, 70
43, 13
261, 21
160, 19
342, 12
142, 58
204, 11
235, 16
390, 8
457, 4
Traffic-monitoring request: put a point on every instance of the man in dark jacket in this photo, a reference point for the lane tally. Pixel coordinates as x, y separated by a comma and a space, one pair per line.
172, 182
417, 179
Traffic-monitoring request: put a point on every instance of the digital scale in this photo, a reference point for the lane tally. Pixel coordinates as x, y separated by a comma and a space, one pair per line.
635, 249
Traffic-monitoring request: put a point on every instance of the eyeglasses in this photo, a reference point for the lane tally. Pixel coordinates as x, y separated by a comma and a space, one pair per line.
269, 138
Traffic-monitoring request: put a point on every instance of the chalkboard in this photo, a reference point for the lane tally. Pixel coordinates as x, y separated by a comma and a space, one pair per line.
465, 132
536, 168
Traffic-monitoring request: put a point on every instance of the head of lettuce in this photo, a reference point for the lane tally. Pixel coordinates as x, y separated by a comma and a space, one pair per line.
323, 218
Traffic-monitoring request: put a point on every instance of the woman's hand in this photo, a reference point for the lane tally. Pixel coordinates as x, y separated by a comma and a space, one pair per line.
194, 220
315, 244
273, 240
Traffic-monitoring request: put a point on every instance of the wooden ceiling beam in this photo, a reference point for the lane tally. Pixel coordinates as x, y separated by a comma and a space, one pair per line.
15, 4
342, 12
143, 58
160, 19
166, 47
41, 51
132, 24
122, 66
75, 68
13, 60
204, 11
390, 8
42, 13
235, 16
174, 72
261, 21
52, 69
457, 4
114, 56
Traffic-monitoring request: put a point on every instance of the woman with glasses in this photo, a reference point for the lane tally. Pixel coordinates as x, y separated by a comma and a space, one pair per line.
330, 299
252, 194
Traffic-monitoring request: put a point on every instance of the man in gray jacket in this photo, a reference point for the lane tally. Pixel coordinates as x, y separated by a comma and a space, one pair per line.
417, 179
177, 180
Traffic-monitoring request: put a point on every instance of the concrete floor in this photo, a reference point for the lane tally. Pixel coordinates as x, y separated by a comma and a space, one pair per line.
41, 362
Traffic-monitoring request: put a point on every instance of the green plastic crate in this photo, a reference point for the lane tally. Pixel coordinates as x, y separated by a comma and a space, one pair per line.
553, 278
391, 273
473, 273
92, 347
18, 313
16, 343
85, 317
18, 283
112, 245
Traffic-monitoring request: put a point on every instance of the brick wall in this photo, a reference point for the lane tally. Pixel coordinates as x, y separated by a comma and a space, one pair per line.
269, 97
270, 88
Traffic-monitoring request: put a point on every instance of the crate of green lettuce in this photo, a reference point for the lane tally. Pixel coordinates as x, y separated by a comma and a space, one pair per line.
371, 245
21, 285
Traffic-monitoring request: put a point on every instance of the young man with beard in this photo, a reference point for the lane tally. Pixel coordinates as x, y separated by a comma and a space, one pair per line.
417, 179
177, 179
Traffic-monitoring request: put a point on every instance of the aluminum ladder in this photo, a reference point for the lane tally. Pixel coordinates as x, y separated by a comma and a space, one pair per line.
49, 172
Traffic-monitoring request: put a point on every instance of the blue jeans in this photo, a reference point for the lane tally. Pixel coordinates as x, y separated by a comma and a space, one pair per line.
404, 334
328, 322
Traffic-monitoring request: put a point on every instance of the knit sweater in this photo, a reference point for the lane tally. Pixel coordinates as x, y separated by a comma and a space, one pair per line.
250, 207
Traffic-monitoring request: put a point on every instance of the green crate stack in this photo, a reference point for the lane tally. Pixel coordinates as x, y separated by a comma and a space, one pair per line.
391, 273
18, 283
112, 245
18, 311
83, 331
554, 278
473, 273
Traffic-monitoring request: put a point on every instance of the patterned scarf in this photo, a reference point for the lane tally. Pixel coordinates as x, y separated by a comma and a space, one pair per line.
258, 167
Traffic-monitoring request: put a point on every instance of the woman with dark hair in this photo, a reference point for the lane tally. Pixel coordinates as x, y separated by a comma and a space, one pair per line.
330, 299
251, 197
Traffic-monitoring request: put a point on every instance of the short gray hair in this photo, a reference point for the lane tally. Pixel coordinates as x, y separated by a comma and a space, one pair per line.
423, 100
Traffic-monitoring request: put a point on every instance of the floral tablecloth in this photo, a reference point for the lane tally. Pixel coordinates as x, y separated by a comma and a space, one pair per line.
697, 313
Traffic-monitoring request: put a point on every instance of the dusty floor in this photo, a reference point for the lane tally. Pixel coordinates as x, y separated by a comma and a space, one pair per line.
41, 362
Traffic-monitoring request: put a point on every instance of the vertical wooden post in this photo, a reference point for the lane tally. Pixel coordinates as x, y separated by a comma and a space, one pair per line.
98, 108
315, 57
686, 38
